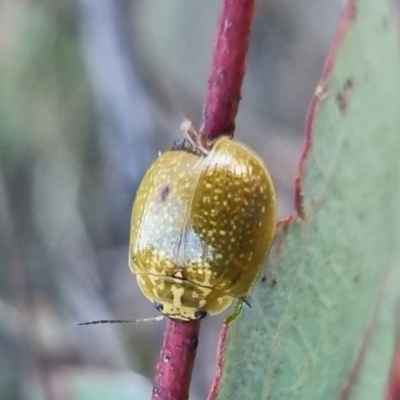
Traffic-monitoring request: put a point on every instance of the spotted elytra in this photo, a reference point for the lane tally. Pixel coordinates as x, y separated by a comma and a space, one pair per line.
202, 224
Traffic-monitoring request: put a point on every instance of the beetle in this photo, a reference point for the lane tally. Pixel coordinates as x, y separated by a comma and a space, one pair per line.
202, 224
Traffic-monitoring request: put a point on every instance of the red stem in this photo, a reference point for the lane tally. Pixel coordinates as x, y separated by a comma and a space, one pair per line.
227, 69
175, 365
174, 368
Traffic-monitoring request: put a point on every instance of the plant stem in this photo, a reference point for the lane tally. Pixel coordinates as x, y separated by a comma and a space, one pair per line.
175, 365
174, 368
227, 69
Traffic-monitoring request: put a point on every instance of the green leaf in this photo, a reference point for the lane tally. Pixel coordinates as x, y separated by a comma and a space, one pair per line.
325, 329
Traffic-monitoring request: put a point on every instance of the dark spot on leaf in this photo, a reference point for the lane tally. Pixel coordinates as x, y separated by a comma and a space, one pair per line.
343, 97
362, 215
341, 102
269, 279
165, 193
348, 84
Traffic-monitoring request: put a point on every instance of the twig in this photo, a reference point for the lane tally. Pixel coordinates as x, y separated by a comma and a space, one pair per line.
227, 69
174, 368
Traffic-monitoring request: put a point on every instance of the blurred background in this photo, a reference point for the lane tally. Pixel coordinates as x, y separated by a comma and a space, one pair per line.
90, 91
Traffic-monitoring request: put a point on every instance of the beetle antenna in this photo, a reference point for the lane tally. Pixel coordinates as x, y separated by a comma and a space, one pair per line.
121, 321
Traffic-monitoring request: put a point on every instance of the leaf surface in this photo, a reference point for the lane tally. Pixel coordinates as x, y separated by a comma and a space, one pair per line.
325, 329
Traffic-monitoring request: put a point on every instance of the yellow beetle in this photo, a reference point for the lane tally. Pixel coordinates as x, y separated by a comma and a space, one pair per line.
202, 225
